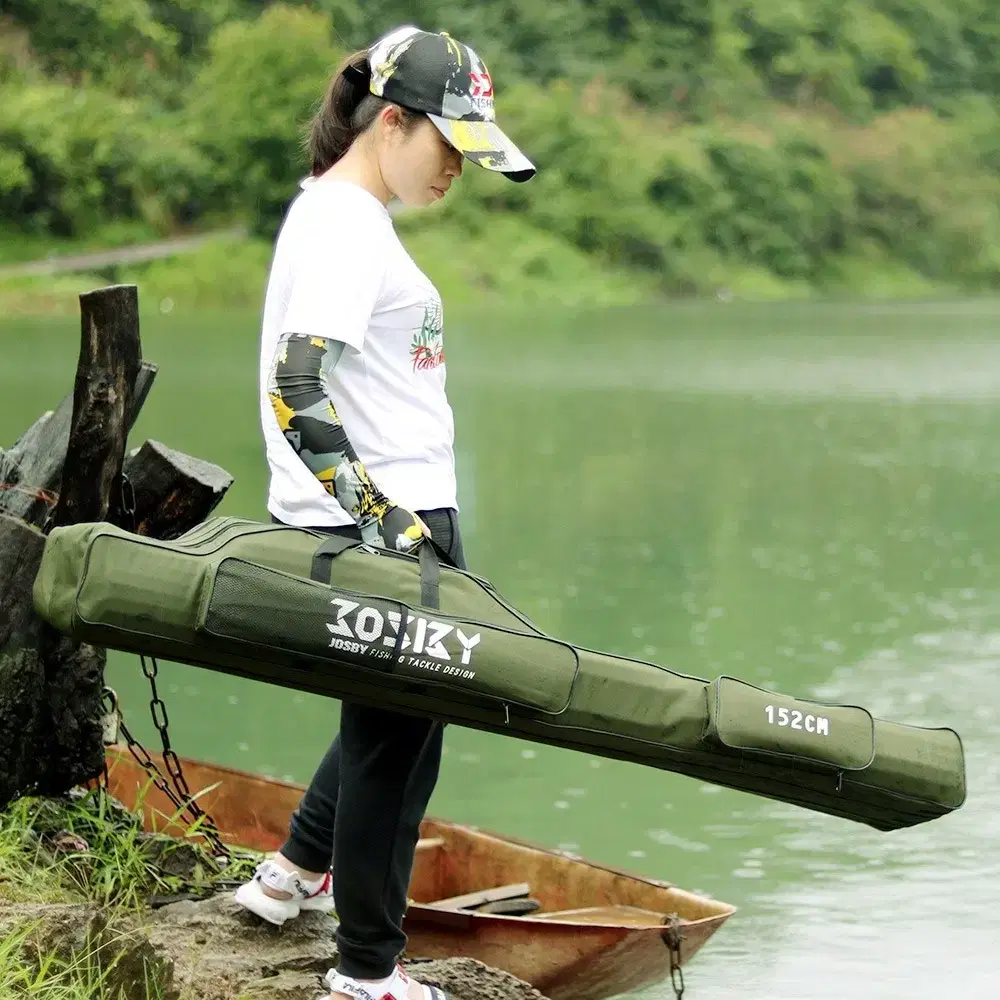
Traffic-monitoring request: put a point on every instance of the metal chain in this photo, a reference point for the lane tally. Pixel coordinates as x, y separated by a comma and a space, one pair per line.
128, 501
673, 937
110, 699
108, 695
172, 762
180, 795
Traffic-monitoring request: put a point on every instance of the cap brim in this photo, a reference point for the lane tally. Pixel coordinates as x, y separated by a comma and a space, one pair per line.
486, 145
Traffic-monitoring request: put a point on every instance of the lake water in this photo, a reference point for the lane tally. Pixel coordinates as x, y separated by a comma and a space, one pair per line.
804, 496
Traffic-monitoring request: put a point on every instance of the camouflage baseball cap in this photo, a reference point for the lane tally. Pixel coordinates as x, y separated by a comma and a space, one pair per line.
446, 80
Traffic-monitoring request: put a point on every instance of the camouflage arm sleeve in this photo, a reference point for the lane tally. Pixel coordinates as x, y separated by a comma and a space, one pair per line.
309, 421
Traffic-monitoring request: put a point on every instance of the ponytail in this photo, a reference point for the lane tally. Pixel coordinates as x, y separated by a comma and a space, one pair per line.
348, 110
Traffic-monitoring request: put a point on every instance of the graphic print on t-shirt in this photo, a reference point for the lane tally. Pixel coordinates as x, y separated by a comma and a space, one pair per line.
427, 348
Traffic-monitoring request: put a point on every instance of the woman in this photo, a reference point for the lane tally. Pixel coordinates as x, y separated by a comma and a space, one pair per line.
359, 438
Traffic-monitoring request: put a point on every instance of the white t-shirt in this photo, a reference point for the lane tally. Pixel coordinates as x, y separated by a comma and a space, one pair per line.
339, 271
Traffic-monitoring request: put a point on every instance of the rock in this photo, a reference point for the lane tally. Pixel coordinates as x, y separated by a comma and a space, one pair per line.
178, 858
88, 814
467, 979
285, 986
113, 946
66, 842
219, 952
214, 950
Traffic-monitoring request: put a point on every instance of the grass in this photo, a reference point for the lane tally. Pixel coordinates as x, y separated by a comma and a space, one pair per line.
29, 972
509, 261
501, 262
88, 849
19, 247
113, 869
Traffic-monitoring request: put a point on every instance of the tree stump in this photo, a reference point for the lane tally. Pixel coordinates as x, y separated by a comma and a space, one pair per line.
66, 469
170, 491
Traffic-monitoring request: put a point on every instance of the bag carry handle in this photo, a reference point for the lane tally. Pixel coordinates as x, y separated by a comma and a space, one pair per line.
322, 561
430, 576
430, 555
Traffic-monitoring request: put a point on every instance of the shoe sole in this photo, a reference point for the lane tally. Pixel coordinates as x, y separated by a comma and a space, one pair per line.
251, 900
245, 898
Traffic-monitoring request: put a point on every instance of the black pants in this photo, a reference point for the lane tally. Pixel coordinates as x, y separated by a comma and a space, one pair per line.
363, 807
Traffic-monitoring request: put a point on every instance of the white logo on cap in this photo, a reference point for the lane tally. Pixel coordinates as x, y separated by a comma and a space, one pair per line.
384, 55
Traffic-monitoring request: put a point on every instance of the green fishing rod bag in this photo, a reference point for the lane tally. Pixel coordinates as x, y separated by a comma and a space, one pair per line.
328, 615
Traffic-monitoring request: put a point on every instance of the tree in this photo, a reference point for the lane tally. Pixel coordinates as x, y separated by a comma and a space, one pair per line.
252, 100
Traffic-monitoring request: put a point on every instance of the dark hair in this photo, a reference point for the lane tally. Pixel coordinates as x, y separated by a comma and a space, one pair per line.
348, 110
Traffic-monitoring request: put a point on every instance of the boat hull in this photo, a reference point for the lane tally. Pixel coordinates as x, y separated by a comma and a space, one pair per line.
600, 932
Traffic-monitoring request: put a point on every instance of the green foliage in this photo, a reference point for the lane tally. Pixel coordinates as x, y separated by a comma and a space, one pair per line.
853, 54
507, 259
778, 144
791, 196
846, 54
126, 46
910, 205
661, 50
101, 39
251, 101
72, 158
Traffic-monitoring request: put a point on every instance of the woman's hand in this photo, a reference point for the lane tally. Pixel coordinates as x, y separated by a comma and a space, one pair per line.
402, 530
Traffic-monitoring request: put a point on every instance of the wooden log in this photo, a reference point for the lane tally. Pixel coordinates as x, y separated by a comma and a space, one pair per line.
140, 390
22, 680
30, 448
35, 467
31, 471
20, 550
50, 687
8, 469
66, 468
172, 491
110, 355
30, 442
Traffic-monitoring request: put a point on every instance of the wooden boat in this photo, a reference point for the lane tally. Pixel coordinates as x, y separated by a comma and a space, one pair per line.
599, 932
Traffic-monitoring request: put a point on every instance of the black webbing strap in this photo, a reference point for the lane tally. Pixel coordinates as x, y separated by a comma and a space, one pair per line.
431, 556
430, 576
322, 563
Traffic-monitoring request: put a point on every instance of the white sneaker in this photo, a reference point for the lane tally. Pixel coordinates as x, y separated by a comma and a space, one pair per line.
302, 895
396, 987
